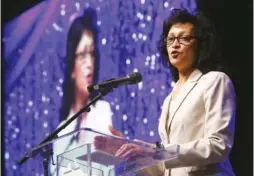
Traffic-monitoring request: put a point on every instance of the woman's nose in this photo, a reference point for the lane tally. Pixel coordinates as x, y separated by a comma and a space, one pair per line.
89, 61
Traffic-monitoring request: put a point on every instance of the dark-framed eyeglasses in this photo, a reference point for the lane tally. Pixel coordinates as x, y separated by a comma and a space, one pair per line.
185, 40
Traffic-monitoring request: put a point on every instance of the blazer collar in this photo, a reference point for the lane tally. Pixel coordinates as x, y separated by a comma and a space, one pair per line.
194, 76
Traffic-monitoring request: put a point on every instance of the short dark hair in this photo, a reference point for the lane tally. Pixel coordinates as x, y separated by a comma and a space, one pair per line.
88, 21
208, 53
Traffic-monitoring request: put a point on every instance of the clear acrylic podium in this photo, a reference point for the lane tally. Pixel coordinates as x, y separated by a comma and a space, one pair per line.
76, 154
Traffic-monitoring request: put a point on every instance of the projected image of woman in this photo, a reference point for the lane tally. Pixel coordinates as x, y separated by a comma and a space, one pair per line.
82, 66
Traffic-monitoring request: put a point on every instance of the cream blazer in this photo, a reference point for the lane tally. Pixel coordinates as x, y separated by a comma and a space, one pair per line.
202, 123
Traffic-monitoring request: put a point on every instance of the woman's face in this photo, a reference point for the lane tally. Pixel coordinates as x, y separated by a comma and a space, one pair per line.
84, 63
182, 52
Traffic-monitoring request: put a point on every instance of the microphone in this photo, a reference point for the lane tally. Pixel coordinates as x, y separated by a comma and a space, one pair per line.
132, 78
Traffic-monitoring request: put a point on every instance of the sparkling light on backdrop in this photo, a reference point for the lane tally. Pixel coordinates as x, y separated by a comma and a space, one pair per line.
34, 58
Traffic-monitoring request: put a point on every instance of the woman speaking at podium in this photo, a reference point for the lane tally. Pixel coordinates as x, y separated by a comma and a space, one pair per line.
199, 113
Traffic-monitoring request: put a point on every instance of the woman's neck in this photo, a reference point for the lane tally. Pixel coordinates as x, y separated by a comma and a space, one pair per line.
80, 101
184, 75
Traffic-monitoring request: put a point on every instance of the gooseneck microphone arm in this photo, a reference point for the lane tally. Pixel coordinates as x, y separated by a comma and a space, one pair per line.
133, 78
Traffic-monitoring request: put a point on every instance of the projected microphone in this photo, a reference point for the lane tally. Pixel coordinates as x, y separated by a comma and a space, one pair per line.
132, 78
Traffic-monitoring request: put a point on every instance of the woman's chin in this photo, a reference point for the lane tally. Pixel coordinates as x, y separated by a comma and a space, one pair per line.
175, 62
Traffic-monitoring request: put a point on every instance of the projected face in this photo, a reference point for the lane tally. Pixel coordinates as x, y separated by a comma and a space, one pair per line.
181, 45
84, 63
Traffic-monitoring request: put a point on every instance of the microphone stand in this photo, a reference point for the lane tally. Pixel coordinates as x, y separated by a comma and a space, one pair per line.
45, 151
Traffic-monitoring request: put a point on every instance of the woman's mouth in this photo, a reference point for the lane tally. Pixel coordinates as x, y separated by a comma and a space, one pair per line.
89, 78
175, 54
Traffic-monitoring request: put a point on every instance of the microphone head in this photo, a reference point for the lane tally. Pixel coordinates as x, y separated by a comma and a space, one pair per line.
134, 78
90, 88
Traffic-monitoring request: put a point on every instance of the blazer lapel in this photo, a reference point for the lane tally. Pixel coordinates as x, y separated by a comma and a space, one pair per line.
164, 119
189, 85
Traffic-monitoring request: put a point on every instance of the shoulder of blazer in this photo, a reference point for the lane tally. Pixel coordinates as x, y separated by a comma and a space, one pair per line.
215, 75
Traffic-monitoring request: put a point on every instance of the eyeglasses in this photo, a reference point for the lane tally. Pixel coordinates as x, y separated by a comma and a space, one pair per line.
185, 40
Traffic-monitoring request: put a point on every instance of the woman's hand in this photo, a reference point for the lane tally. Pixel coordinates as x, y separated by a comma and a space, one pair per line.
109, 144
129, 150
121, 148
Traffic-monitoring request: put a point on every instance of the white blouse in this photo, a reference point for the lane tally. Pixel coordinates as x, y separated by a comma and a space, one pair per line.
99, 118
